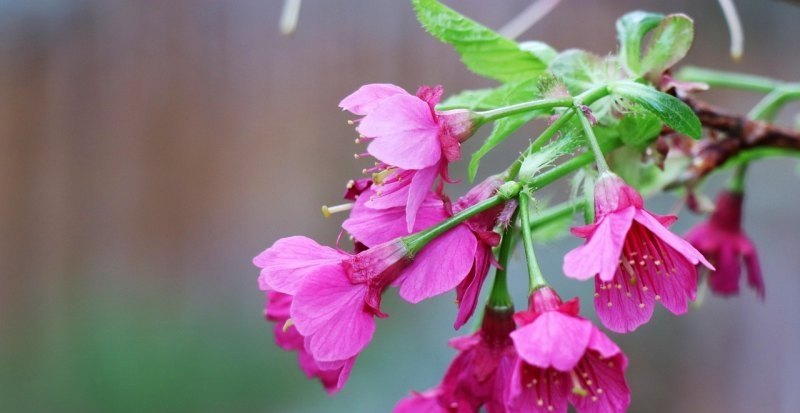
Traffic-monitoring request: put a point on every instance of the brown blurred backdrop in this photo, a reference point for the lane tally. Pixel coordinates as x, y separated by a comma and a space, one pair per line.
149, 149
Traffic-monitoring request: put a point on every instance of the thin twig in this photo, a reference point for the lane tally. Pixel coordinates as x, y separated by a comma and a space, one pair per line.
527, 18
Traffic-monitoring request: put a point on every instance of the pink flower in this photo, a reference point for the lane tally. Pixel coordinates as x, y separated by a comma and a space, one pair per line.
478, 376
459, 259
425, 402
334, 376
722, 240
335, 295
634, 258
564, 359
413, 142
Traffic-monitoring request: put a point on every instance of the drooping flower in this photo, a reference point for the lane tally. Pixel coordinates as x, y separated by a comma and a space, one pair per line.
335, 295
564, 359
334, 375
723, 241
634, 258
459, 259
478, 376
413, 142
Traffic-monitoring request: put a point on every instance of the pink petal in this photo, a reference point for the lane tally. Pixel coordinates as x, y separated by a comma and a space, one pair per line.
607, 374
376, 226
754, 278
290, 260
367, 97
553, 340
426, 402
418, 191
440, 266
405, 133
547, 395
603, 345
725, 280
329, 311
600, 255
677, 243
625, 313
474, 283
676, 288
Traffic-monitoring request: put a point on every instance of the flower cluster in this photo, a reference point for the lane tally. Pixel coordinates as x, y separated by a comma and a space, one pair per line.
408, 235
550, 359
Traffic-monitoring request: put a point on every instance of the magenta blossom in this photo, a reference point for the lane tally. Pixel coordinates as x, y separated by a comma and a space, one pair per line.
722, 240
334, 376
634, 258
439, 267
413, 142
461, 258
478, 376
335, 295
564, 359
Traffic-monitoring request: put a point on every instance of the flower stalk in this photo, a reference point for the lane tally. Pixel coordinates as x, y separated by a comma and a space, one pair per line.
417, 241
535, 275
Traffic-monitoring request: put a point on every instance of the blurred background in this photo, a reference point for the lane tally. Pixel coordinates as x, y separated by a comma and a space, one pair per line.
148, 150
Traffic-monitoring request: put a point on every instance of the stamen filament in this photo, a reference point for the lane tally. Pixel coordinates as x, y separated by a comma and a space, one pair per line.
328, 211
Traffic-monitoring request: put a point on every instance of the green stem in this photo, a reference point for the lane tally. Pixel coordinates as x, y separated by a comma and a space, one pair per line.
557, 213
718, 78
415, 242
534, 271
494, 114
736, 184
538, 143
586, 98
768, 107
568, 167
602, 166
499, 295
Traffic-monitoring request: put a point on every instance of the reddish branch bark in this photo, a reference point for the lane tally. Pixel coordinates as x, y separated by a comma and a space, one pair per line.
731, 134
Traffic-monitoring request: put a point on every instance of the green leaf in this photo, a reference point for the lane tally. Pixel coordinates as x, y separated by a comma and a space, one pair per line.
639, 128
541, 50
669, 43
579, 70
485, 99
502, 129
671, 110
631, 29
482, 50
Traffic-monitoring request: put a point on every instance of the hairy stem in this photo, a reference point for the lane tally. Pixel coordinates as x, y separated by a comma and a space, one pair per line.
506, 111
499, 296
535, 275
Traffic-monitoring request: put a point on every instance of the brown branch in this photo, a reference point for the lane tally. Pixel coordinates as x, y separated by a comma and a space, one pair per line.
730, 135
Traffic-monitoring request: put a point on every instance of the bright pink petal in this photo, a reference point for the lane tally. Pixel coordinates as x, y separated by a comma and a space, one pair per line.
603, 345
367, 97
329, 311
333, 379
426, 402
675, 288
535, 390
470, 292
418, 191
604, 381
554, 340
600, 255
621, 306
290, 260
376, 226
440, 266
405, 133
677, 243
